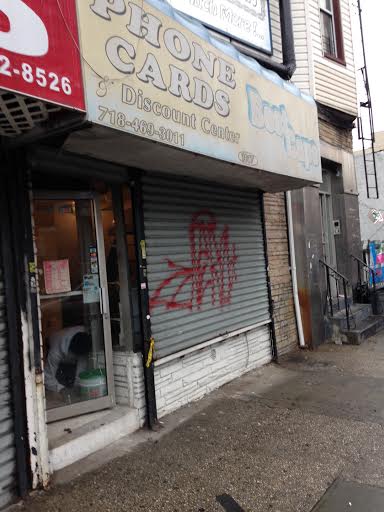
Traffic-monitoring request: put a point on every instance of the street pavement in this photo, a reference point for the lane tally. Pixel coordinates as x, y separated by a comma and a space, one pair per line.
299, 436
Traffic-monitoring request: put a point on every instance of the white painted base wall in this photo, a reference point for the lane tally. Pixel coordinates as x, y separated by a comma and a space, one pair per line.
129, 381
194, 375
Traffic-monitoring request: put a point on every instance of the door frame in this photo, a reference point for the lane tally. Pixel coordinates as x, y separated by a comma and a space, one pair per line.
107, 401
326, 202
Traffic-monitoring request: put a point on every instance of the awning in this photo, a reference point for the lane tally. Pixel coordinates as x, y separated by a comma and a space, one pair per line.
166, 94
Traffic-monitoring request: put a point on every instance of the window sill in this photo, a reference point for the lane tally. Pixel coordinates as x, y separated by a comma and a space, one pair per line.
333, 58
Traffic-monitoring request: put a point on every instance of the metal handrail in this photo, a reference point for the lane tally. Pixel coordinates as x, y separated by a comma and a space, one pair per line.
336, 272
337, 276
362, 263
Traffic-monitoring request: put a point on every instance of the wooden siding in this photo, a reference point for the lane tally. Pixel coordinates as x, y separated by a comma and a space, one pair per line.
335, 84
335, 87
303, 74
331, 84
276, 31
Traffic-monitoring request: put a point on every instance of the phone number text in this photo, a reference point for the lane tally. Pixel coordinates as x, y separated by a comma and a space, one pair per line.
140, 126
36, 75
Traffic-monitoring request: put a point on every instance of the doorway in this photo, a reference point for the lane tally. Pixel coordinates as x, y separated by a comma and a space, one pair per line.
327, 225
74, 303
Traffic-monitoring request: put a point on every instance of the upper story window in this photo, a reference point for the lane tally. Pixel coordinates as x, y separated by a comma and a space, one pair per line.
331, 30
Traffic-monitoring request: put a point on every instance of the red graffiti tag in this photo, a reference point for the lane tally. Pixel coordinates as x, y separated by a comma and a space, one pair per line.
212, 270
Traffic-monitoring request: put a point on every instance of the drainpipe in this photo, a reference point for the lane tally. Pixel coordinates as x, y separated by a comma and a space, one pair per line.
288, 39
286, 68
291, 242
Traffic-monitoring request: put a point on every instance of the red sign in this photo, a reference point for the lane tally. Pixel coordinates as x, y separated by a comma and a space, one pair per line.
39, 50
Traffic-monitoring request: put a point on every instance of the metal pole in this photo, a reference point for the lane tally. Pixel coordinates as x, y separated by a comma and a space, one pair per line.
374, 302
329, 290
338, 293
369, 105
359, 271
363, 48
148, 364
275, 355
346, 303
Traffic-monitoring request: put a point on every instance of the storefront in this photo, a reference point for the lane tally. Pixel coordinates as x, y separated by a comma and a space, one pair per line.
132, 265
147, 264
88, 324
148, 224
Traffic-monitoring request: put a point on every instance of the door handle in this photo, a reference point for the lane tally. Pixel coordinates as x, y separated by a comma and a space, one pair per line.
101, 301
104, 306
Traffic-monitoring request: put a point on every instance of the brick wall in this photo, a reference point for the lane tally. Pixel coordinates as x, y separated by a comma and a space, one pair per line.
336, 136
188, 378
279, 272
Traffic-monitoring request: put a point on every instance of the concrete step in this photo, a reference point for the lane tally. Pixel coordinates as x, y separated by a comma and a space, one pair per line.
336, 303
75, 438
358, 313
364, 330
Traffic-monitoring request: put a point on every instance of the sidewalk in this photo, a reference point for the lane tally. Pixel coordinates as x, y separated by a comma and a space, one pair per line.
274, 440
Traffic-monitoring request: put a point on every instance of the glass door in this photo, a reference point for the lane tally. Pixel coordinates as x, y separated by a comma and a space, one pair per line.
74, 305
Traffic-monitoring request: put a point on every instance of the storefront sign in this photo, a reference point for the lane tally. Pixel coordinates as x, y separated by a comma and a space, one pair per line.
39, 53
245, 20
148, 75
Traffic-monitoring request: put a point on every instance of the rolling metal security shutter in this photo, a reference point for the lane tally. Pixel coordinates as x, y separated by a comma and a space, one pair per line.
206, 261
7, 441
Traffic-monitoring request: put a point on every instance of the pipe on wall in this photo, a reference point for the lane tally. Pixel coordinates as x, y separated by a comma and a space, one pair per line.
291, 241
286, 68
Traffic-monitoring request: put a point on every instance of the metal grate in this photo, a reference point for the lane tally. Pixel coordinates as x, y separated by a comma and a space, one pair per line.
7, 437
19, 114
206, 262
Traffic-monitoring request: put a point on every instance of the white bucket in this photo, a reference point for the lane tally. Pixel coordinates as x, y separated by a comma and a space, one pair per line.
93, 384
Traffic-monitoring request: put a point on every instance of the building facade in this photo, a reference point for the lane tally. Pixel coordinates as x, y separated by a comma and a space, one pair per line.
144, 176
326, 217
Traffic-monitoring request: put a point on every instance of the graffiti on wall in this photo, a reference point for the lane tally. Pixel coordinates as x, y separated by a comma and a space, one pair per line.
211, 273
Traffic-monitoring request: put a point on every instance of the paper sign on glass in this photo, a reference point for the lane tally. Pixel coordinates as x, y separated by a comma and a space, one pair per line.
91, 288
56, 276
